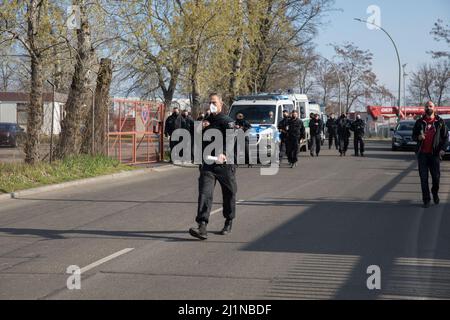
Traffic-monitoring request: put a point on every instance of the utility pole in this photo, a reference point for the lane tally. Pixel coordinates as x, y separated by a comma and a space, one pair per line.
404, 88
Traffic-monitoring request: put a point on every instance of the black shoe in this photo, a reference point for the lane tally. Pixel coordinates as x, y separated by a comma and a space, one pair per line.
356, 155
317, 154
362, 154
426, 204
199, 232
312, 154
436, 199
227, 227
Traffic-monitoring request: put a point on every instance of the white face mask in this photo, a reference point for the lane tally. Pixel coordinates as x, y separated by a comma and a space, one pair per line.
213, 108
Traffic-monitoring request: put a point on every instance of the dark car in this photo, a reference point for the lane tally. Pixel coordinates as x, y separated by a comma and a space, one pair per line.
402, 138
10, 134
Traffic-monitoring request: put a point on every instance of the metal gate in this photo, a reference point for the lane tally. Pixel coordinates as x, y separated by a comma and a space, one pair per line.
135, 134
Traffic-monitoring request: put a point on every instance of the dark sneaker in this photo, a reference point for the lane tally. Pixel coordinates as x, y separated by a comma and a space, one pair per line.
312, 154
227, 227
362, 154
426, 204
199, 232
436, 199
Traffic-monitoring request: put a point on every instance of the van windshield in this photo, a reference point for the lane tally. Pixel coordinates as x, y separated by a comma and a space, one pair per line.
255, 114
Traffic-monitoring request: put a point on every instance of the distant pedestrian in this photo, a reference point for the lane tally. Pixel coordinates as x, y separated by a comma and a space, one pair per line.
172, 123
332, 131
358, 127
187, 123
282, 128
343, 133
296, 132
315, 132
431, 135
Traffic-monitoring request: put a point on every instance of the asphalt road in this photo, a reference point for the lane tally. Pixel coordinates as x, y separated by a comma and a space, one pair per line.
309, 232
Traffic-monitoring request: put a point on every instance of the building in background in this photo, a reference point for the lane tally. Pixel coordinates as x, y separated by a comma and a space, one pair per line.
13, 108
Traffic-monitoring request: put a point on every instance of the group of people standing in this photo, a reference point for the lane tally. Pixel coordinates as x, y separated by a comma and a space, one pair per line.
339, 132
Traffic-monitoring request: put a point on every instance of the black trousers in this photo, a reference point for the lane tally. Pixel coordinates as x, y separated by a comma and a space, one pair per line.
358, 143
315, 144
209, 175
432, 164
343, 143
332, 136
283, 147
292, 149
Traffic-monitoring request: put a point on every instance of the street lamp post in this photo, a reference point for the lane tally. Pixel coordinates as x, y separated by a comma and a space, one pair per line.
404, 88
398, 59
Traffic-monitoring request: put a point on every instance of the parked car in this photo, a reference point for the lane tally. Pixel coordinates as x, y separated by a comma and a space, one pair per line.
402, 137
11, 134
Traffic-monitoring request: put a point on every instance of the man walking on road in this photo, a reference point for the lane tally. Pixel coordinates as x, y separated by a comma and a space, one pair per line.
315, 131
219, 170
343, 133
295, 132
431, 135
358, 128
332, 131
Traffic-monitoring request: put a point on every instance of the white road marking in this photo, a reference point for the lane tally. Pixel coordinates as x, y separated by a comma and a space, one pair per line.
106, 259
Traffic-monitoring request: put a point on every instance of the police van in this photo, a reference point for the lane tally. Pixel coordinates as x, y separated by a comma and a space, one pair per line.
304, 108
263, 112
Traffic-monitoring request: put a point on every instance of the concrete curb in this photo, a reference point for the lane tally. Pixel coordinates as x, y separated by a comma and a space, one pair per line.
104, 178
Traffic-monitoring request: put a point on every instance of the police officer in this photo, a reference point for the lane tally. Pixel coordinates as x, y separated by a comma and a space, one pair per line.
241, 123
315, 130
332, 131
282, 128
296, 132
172, 123
343, 133
219, 170
358, 128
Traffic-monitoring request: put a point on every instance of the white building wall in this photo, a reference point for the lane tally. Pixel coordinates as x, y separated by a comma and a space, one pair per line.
8, 112
47, 123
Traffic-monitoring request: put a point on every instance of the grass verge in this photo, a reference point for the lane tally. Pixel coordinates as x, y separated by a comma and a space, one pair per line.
20, 176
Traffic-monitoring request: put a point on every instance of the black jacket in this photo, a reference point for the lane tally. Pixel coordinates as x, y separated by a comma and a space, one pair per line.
315, 127
188, 124
282, 127
343, 128
172, 122
222, 123
296, 128
440, 141
358, 127
331, 126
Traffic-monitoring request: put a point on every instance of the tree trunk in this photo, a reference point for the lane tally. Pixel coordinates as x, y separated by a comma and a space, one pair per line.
69, 142
35, 112
101, 109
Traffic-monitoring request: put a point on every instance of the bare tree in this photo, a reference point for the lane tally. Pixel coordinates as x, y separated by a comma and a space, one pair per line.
355, 65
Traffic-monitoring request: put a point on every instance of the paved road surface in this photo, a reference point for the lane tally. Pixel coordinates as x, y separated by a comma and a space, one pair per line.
309, 232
